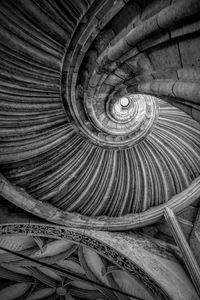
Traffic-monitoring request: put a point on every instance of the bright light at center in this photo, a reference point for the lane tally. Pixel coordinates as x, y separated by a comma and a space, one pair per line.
124, 101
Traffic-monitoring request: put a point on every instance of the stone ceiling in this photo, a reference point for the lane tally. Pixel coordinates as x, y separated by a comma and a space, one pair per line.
65, 137
99, 110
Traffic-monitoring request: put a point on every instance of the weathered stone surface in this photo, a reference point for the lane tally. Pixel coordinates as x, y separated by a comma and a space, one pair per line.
81, 157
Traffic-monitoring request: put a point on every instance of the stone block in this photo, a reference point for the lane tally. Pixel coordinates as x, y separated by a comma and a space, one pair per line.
189, 51
104, 8
154, 40
165, 56
118, 49
129, 54
121, 73
189, 74
176, 13
187, 90
159, 87
113, 80
165, 74
103, 39
142, 31
94, 79
139, 64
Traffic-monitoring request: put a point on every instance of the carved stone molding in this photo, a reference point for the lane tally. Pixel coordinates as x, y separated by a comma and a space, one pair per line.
83, 239
50, 213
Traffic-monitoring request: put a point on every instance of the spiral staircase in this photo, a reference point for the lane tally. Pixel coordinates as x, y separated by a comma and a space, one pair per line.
100, 135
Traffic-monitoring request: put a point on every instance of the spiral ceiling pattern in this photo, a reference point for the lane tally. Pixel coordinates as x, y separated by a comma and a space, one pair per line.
76, 132
119, 126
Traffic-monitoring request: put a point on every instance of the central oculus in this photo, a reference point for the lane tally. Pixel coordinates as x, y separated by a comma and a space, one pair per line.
110, 121
124, 102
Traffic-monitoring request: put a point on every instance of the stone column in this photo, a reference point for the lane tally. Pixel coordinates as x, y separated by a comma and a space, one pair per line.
182, 243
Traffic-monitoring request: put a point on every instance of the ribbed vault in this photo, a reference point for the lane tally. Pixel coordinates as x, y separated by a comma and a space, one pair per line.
145, 268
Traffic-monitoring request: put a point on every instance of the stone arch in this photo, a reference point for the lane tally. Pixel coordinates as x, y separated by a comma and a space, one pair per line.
138, 256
